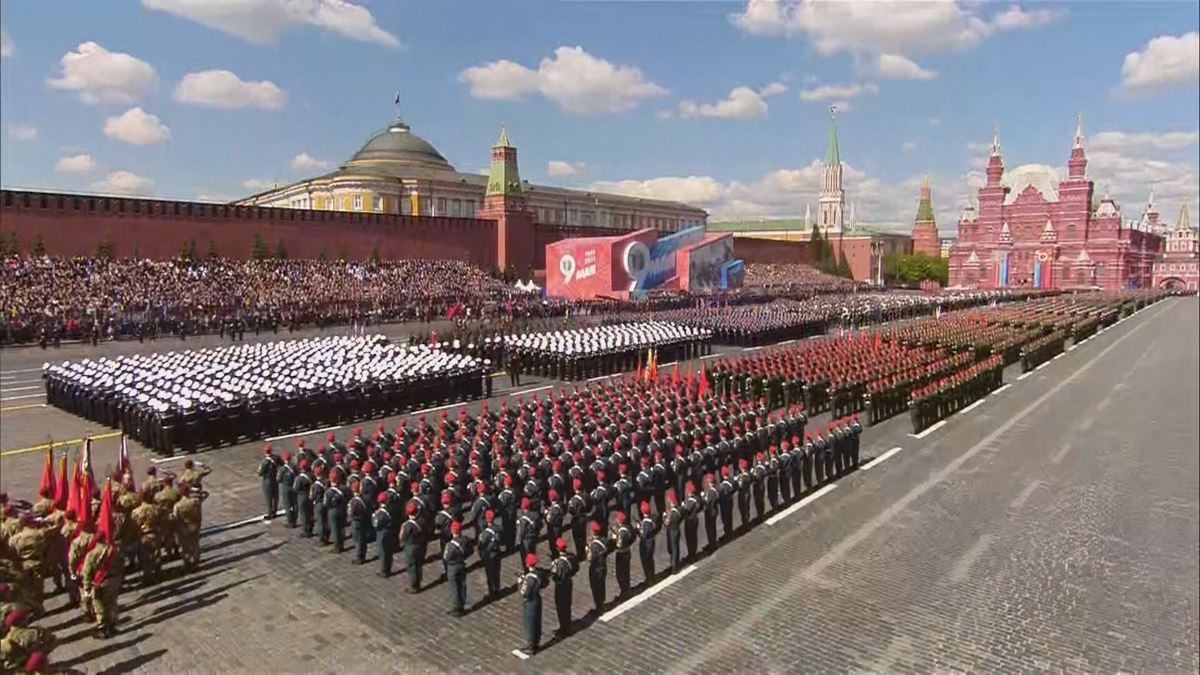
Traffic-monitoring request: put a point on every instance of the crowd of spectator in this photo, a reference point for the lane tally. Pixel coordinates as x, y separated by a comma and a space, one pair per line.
796, 276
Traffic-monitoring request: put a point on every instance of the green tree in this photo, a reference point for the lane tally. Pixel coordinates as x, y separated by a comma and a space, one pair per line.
843, 266
105, 247
375, 253
258, 250
280, 251
187, 251
14, 245
212, 250
39, 246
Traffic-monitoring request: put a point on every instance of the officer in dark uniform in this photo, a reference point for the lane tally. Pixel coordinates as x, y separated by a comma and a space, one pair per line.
597, 556
725, 492
335, 511
744, 482
691, 509
317, 494
671, 522
579, 508
360, 523
711, 501
287, 493
530, 588
622, 538
270, 482
302, 487
454, 556
489, 553
646, 534
508, 514
758, 475
562, 570
554, 521
385, 532
410, 539
530, 527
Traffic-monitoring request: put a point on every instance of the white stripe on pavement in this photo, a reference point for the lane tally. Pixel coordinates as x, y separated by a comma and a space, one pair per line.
1001, 389
520, 654
930, 430
164, 460
15, 398
787, 342
530, 391
429, 410
604, 377
1024, 375
217, 529
302, 433
800, 504
971, 407
6, 383
879, 459
27, 370
751, 349
711, 356
1042, 366
5, 391
646, 594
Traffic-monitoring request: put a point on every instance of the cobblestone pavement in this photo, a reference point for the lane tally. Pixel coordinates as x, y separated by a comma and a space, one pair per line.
1053, 527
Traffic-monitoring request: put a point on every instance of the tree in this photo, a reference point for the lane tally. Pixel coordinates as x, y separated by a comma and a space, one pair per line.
39, 246
280, 251
14, 245
212, 250
258, 250
137, 250
187, 251
105, 247
375, 253
913, 269
843, 266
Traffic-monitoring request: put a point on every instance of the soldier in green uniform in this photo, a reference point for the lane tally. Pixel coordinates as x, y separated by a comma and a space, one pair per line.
188, 517
102, 577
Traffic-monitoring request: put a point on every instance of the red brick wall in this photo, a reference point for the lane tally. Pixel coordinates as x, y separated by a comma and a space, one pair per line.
546, 233
76, 224
754, 250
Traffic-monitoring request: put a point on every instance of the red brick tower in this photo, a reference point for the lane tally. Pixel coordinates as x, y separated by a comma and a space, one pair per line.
925, 232
504, 202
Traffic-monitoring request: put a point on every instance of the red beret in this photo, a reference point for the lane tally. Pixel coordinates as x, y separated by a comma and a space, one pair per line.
620, 518
561, 544
531, 560
267, 449
36, 662
489, 515
456, 527
382, 498
645, 508
596, 526
412, 509
525, 503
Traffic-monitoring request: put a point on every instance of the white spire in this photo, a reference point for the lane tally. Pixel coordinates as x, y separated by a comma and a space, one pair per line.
996, 141
807, 216
1079, 131
1150, 200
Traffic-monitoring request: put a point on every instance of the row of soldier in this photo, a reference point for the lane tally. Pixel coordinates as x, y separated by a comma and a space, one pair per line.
555, 470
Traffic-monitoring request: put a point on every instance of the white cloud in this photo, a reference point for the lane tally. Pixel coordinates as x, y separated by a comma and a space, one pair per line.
306, 162
223, 89
101, 76
560, 169
125, 183
773, 89
1137, 142
696, 190
742, 103
896, 67
7, 48
579, 83
832, 91
138, 127
934, 121
909, 145
263, 21
664, 114
1166, 61
75, 164
258, 185
22, 132
871, 26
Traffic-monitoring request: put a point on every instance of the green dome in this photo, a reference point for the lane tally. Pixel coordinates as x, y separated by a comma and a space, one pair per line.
397, 149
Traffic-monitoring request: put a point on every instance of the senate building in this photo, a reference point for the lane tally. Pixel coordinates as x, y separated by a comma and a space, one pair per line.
399, 172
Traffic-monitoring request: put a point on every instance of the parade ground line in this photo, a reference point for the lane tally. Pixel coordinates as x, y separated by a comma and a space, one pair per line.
751, 349
645, 595
23, 407
710, 356
27, 370
803, 502
303, 433
1001, 389
57, 444
217, 529
1024, 375
17, 398
971, 407
530, 391
930, 430
880, 458
597, 379
9, 391
520, 654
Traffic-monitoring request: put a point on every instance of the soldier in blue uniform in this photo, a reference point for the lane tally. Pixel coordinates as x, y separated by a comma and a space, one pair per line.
335, 511
530, 588
381, 520
597, 557
671, 522
270, 482
647, 530
410, 539
454, 557
360, 523
489, 553
562, 570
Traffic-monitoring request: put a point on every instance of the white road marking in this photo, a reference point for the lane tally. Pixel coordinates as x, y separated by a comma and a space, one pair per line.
1057, 356
27, 370
751, 349
164, 460
646, 594
429, 410
1074, 345
1103, 403
1024, 375
17, 398
800, 504
1001, 389
711, 356
787, 342
1087, 423
668, 363
520, 654
879, 459
1025, 495
930, 430
1062, 452
526, 391
302, 433
217, 529
971, 407
1043, 365
20, 381
963, 566
6, 391
604, 377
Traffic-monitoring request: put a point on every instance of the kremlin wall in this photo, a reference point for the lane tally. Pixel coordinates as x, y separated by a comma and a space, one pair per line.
397, 197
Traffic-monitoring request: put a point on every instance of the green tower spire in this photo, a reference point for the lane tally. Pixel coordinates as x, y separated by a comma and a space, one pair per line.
832, 156
925, 208
503, 178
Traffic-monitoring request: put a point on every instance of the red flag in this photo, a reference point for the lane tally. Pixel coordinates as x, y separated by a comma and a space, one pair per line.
703, 384
47, 486
85, 515
73, 496
675, 375
64, 488
104, 526
123, 458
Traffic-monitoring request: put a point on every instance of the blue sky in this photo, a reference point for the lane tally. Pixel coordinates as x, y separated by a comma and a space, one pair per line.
724, 105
